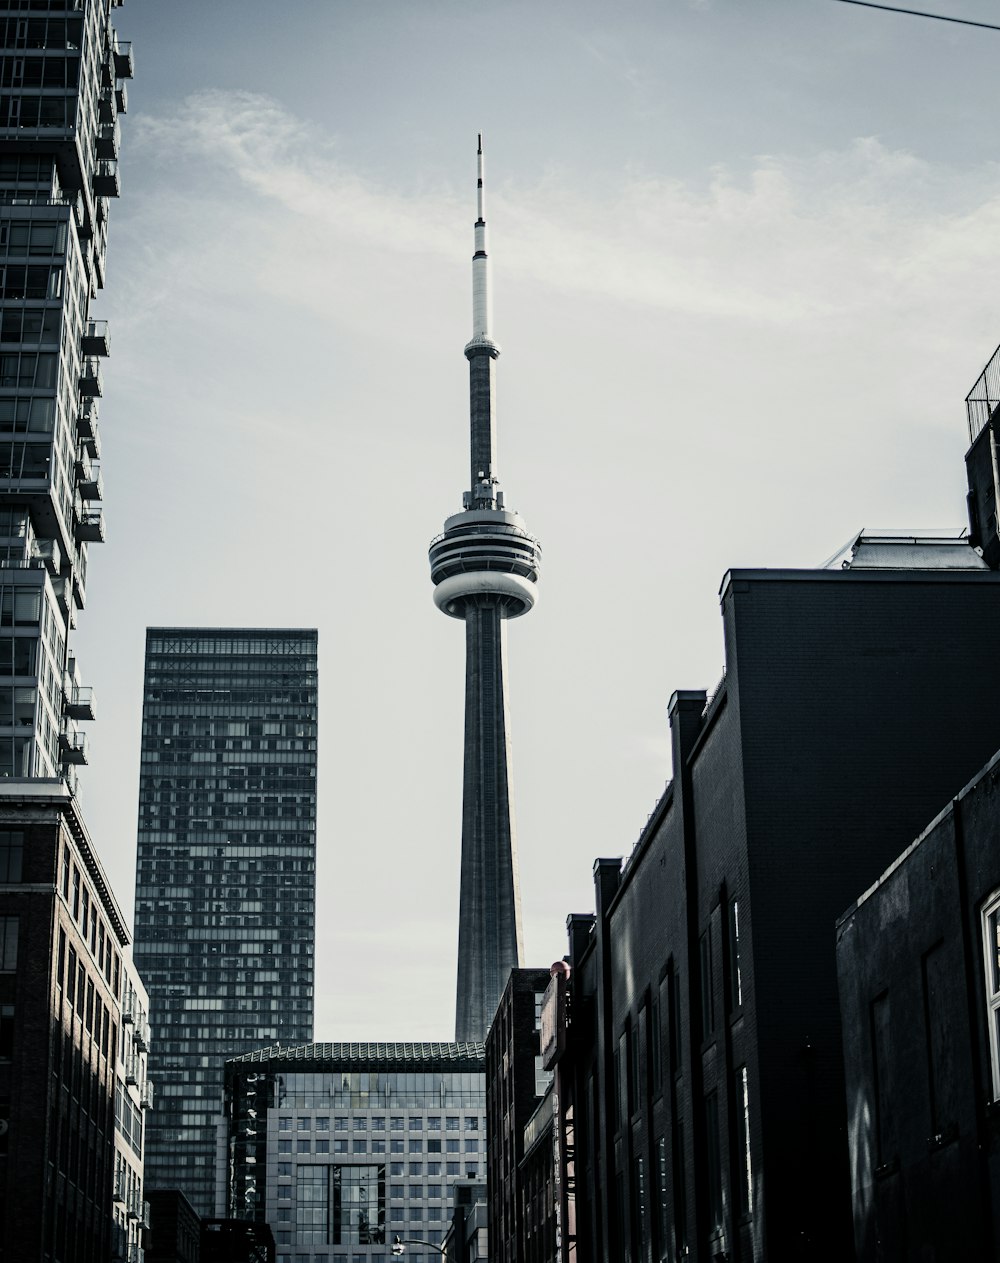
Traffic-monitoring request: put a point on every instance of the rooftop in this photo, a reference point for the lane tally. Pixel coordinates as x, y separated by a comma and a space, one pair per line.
365, 1056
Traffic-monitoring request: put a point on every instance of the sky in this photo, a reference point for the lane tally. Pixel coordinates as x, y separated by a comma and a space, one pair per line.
745, 265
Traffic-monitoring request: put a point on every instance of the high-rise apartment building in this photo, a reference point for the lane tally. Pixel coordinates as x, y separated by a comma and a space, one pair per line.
484, 567
62, 89
225, 876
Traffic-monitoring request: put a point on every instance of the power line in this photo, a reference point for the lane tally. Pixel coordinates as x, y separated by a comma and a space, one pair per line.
919, 13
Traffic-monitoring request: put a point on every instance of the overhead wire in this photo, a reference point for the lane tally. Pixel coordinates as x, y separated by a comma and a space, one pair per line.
920, 13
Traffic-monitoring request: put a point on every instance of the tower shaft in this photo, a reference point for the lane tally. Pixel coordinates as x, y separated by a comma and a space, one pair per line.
484, 567
489, 928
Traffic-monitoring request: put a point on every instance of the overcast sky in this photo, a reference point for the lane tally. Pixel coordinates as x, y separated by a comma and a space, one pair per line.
745, 271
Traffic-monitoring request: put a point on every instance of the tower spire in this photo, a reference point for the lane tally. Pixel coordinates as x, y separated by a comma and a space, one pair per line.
484, 567
482, 299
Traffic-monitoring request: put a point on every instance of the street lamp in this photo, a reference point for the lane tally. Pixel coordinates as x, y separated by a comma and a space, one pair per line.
399, 1246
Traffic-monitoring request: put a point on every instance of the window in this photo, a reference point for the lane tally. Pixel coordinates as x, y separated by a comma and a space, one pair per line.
453, 1168
302, 1146
360, 1146
655, 1043
434, 1146
472, 1171
472, 1124
452, 1122
416, 1124
707, 988
304, 1124
662, 1200
8, 943
991, 950
639, 1206
6, 1031
713, 1158
744, 1192
396, 1145
11, 852
735, 972
360, 1123
284, 1124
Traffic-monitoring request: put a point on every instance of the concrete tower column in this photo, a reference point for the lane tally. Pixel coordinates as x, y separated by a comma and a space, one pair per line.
484, 567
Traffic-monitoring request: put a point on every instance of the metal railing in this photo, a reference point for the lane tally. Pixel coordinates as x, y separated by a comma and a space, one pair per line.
982, 400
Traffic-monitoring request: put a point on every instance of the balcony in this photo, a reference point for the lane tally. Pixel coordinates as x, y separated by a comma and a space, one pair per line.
80, 702
141, 1034
134, 1205
145, 1220
136, 1254
106, 182
109, 141
107, 106
96, 338
86, 428
121, 1188
74, 747
123, 59
146, 1095
91, 379
90, 526
121, 97
132, 1068
62, 586
88, 479
49, 553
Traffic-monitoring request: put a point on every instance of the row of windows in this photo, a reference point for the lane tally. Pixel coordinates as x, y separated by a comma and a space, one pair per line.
39, 72
342, 1145
378, 1123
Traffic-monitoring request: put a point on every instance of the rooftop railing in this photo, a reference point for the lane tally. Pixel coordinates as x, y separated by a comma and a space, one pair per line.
982, 400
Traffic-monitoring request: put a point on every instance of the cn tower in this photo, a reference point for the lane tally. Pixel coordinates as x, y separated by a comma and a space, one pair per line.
484, 567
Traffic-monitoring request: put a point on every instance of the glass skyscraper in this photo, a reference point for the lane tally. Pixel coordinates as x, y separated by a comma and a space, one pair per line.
225, 876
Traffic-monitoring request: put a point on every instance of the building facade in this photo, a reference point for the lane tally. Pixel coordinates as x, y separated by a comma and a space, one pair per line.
466, 1239
341, 1147
225, 874
704, 1046
64, 75
484, 567
74, 1094
918, 960
515, 1081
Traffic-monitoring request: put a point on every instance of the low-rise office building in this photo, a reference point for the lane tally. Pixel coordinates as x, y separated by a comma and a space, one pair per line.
340, 1147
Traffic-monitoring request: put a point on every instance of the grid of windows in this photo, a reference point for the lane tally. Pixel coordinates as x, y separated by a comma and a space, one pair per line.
412, 1192
225, 878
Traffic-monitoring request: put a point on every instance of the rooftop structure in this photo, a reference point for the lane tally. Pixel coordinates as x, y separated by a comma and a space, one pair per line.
484, 567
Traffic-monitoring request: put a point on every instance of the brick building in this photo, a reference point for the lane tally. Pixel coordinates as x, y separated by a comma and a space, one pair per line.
919, 966
704, 1047
72, 1076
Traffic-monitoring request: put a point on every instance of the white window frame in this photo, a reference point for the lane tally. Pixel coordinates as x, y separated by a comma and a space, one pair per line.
991, 977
